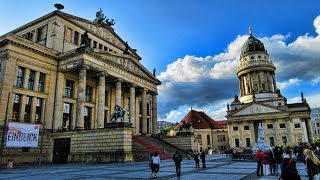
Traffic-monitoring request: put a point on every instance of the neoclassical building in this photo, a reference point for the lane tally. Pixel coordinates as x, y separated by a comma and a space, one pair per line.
261, 101
68, 74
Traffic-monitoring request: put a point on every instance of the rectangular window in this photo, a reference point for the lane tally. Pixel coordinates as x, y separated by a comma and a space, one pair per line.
282, 125
41, 85
297, 125
88, 93
284, 139
199, 139
221, 138
270, 126
246, 127
29, 36
76, 38
271, 141
31, 79
41, 33
106, 98
208, 140
87, 119
105, 48
27, 112
140, 107
20, 77
25, 149
94, 44
148, 109
236, 141
67, 111
68, 91
235, 128
16, 107
38, 110
248, 142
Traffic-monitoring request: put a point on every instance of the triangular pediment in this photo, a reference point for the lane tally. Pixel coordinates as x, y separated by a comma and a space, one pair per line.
256, 109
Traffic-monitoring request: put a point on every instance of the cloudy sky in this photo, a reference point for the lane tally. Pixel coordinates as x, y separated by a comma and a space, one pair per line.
195, 44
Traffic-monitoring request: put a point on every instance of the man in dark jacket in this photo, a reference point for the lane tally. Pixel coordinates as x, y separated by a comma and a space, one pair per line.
177, 158
259, 157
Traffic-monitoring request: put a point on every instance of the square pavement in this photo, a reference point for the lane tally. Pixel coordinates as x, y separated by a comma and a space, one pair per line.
219, 167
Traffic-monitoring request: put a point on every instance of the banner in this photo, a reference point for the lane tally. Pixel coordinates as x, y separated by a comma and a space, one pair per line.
22, 135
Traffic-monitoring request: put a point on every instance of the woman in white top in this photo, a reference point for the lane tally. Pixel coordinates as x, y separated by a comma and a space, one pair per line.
155, 164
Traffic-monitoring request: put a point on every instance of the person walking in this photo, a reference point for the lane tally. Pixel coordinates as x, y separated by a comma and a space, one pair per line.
177, 158
259, 157
155, 164
203, 159
312, 164
197, 159
289, 168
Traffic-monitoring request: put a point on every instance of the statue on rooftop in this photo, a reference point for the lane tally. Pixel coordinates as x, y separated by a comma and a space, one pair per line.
100, 17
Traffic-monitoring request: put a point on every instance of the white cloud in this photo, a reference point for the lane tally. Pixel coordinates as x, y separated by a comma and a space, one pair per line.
203, 81
312, 100
287, 84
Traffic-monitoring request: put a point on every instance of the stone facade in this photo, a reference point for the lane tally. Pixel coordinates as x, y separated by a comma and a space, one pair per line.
54, 79
261, 101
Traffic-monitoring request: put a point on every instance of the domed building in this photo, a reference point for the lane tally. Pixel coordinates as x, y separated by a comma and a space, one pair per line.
261, 102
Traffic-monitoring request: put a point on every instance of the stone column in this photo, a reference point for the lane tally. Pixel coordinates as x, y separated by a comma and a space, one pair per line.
304, 130
242, 139
309, 130
144, 111
101, 100
26, 78
275, 128
253, 136
58, 110
132, 112
290, 131
36, 80
33, 109
22, 111
154, 114
81, 97
118, 92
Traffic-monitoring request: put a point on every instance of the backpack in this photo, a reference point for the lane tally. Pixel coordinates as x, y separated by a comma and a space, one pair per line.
177, 158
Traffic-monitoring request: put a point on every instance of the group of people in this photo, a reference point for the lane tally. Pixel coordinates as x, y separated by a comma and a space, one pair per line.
283, 162
154, 161
200, 156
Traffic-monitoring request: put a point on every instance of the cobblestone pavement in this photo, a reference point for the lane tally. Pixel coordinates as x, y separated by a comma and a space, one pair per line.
218, 167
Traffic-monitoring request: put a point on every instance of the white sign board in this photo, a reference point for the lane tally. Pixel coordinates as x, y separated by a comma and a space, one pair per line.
22, 135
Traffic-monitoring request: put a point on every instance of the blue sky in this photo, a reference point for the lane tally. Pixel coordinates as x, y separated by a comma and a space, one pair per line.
195, 44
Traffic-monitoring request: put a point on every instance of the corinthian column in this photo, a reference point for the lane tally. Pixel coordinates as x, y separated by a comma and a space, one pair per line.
290, 131
101, 100
144, 111
132, 112
118, 92
154, 113
81, 97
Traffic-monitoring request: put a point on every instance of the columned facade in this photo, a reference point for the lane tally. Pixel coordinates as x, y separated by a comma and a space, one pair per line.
261, 102
81, 97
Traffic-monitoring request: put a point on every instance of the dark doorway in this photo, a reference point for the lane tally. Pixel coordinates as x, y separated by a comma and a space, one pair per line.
61, 150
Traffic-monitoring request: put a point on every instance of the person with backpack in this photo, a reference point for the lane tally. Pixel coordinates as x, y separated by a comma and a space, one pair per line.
177, 158
155, 164
289, 168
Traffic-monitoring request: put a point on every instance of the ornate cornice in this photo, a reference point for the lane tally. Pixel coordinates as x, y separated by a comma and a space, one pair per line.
117, 61
27, 44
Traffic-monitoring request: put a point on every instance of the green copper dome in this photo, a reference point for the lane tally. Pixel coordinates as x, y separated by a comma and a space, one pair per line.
252, 44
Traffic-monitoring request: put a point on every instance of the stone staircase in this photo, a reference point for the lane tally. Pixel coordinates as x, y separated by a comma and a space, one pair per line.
143, 146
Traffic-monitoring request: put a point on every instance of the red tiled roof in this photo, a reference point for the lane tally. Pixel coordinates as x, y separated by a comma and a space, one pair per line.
200, 120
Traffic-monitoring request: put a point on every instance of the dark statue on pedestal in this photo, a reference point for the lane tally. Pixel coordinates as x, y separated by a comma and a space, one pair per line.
118, 113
